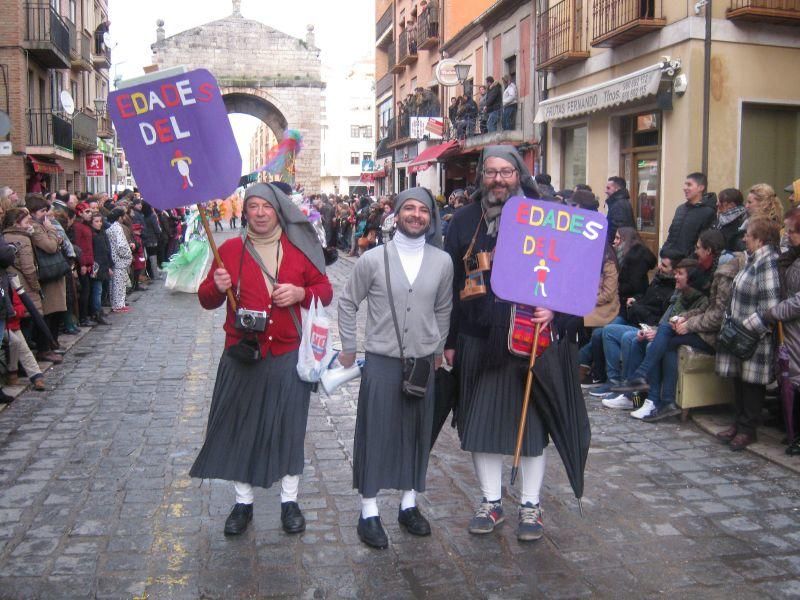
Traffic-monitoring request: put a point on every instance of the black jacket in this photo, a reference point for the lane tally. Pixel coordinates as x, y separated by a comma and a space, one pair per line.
102, 254
633, 270
8, 253
650, 307
620, 213
494, 97
734, 238
689, 222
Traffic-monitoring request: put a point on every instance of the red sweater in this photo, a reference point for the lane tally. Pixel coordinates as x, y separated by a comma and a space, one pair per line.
83, 239
281, 334
12, 323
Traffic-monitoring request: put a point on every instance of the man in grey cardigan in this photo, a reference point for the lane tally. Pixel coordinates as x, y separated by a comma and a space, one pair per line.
393, 429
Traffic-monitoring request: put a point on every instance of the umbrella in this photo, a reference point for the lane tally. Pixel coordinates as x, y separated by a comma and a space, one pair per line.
785, 385
35, 315
445, 397
560, 404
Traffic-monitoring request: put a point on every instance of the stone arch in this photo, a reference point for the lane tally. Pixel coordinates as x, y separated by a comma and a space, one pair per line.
254, 102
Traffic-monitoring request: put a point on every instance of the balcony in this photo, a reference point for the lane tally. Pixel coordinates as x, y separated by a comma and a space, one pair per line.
384, 24
80, 48
779, 12
561, 41
46, 36
101, 54
394, 67
384, 85
104, 129
49, 134
427, 30
84, 131
615, 22
407, 48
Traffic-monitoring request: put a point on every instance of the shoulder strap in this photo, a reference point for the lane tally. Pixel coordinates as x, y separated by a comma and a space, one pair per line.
475, 236
391, 299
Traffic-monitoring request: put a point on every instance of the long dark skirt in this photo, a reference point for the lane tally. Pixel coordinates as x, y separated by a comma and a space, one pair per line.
393, 431
257, 422
491, 403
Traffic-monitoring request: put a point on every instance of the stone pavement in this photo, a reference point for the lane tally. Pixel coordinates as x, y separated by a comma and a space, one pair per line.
95, 500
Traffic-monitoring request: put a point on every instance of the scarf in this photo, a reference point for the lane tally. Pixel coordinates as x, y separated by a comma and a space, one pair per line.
729, 216
268, 248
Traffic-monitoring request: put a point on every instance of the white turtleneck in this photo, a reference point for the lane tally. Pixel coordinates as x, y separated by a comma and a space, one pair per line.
411, 251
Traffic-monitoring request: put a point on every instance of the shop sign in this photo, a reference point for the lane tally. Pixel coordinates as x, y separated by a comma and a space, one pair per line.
629, 88
426, 127
95, 164
445, 72
549, 256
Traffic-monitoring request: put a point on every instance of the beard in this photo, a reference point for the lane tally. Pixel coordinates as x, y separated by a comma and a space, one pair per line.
403, 227
497, 192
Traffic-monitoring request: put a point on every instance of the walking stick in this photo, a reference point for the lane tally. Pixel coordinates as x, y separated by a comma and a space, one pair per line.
525, 403
213, 244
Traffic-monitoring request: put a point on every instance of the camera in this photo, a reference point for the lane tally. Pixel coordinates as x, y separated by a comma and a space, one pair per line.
251, 320
475, 266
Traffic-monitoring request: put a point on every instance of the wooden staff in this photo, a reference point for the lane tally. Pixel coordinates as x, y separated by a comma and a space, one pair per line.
213, 244
525, 403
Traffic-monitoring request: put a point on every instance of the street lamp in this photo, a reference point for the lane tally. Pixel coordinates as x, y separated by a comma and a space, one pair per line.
462, 72
100, 106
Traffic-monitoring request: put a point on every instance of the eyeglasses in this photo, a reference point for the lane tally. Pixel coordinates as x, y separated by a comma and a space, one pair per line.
505, 173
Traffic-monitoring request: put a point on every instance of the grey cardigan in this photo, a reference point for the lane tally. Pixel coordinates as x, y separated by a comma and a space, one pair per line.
423, 309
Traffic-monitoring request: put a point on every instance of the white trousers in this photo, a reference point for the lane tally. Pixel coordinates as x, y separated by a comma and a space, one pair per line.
489, 469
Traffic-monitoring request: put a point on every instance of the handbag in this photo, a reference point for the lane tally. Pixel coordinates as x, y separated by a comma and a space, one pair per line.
416, 371
51, 266
736, 339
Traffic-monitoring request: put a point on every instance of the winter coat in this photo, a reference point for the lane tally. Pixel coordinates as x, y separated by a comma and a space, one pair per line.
655, 301
494, 97
151, 231
788, 313
54, 293
25, 263
756, 289
619, 214
683, 303
607, 307
83, 240
707, 323
102, 255
689, 222
730, 225
8, 254
633, 269
121, 254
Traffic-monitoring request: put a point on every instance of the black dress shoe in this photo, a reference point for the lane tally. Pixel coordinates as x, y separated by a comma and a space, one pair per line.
372, 533
292, 518
413, 521
636, 384
237, 521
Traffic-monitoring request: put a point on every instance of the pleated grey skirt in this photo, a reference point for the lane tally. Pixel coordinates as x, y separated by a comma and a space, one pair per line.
491, 403
257, 422
393, 431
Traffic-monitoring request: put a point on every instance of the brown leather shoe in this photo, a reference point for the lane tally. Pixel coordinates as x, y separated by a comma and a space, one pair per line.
12, 378
742, 441
49, 357
726, 435
38, 384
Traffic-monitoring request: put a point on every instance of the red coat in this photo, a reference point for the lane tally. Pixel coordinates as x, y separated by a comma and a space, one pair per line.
12, 323
281, 335
83, 239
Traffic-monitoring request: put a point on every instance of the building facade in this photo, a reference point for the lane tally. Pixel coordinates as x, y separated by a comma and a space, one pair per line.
260, 144
54, 62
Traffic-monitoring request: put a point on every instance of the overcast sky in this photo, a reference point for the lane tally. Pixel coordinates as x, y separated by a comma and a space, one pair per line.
344, 32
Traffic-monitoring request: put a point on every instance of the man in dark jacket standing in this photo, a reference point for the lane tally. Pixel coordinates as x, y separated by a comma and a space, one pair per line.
618, 206
691, 218
494, 103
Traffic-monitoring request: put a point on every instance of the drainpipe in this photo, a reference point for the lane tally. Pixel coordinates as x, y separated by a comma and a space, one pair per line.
544, 126
706, 86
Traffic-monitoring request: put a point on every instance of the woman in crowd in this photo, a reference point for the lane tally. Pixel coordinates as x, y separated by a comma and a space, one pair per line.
635, 260
18, 350
756, 289
103, 268
787, 311
150, 236
731, 214
121, 257
763, 203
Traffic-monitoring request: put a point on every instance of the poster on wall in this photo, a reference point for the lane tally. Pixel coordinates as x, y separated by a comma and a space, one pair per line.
95, 164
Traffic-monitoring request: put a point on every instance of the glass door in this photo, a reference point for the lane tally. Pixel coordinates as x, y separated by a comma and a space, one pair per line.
644, 189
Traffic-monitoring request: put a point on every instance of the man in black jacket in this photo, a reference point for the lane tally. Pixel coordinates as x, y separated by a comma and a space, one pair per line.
618, 206
494, 103
730, 216
691, 218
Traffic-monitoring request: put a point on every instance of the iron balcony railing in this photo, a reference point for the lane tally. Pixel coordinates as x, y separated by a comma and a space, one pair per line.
44, 24
560, 32
612, 15
101, 51
391, 130
384, 85
427, 29
384, 22
778, 5
392, 52
48, 128
407, 47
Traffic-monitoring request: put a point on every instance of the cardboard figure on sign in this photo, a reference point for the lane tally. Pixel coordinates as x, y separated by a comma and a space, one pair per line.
541, 271
182, 163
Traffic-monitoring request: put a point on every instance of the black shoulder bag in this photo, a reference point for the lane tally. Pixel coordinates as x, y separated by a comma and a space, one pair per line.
737, 339
416, 371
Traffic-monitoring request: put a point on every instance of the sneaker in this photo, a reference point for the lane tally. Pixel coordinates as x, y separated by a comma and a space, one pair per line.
665, 412
635, 384
602, 391
486, 517
621, 402
592, 384
530, 525
646, 408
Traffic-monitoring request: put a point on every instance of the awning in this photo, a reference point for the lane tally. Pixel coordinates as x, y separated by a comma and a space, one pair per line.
42, 165
430, 155
627, 88
370, 176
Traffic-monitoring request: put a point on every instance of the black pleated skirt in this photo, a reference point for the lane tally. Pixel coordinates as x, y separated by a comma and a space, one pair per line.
393, 431
257, 422
490, 403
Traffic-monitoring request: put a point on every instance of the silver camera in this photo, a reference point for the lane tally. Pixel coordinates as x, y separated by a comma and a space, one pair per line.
251, 320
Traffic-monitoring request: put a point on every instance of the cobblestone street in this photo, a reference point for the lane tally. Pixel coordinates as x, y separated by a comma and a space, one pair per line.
95, 498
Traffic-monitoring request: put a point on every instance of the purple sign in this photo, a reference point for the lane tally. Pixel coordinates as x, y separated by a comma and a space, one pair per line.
178, 139
549, 255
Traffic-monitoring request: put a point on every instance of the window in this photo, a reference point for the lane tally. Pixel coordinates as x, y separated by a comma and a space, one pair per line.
574, 158
511, 67
73, 89
355, 158
368, 131
367, 157
354, 131
73, 12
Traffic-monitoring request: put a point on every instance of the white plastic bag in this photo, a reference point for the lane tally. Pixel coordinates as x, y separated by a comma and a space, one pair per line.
316, 347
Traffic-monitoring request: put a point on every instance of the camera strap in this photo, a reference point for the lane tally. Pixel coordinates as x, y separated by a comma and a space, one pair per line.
391, 300
475, 236
273, 280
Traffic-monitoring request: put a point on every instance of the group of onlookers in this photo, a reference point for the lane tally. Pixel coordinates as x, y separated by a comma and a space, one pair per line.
729, 260
63, 257
493, 109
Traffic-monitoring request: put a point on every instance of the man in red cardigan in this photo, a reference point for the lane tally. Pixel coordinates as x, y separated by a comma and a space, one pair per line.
259, 409
83, 239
